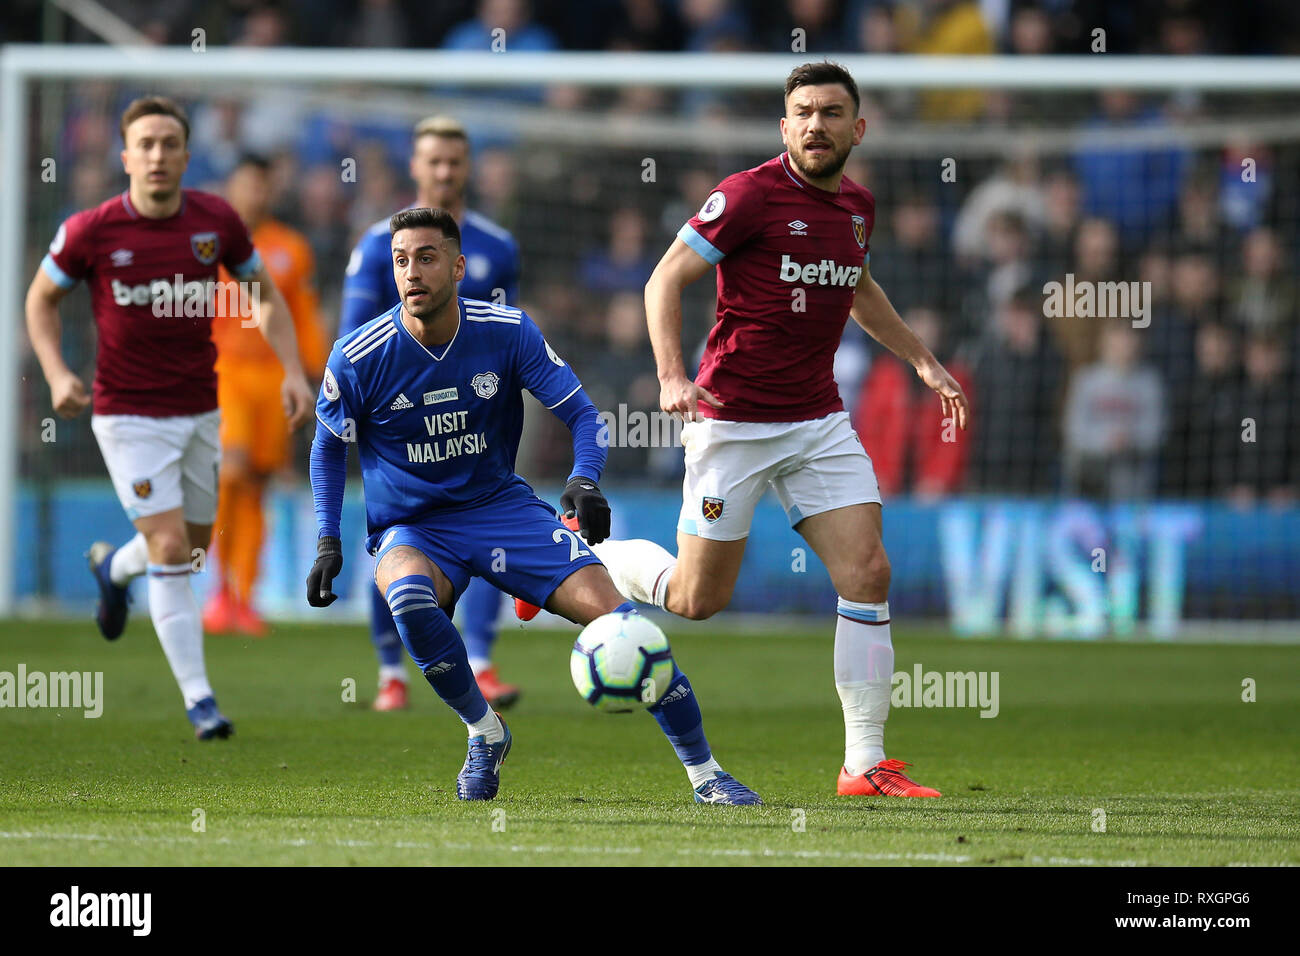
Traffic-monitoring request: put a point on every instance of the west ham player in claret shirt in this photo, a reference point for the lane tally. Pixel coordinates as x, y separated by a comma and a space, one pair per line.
150, 257
789, 240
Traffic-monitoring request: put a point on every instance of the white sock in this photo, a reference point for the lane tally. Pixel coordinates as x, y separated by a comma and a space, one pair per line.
489, 727
479, 664
389, 672
175, 614
640, 568
864, 668
129, 561
702, 772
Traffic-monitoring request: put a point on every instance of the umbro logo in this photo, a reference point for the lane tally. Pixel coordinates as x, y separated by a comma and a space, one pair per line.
121, 257
798, 228
400, 402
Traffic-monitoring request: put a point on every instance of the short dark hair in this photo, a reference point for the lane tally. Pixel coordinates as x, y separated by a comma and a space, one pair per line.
154, 105
256, 160
424, 217
815, 74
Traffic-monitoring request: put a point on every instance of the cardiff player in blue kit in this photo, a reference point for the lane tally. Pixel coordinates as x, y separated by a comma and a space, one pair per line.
440, 169
431, 393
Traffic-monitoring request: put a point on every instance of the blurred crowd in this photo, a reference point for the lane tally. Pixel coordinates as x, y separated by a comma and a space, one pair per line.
868, 26
1198, 396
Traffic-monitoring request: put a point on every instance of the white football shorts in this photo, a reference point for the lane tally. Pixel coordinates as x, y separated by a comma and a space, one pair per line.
159, 464
814, 466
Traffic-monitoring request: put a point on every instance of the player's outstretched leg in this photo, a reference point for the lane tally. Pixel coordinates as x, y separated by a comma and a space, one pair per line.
113, 570
587, 594
481, 605
437, 649
388, 648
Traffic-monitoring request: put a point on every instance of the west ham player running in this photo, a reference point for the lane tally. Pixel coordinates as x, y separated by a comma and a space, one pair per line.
150, 257
431, 393
789, 242
440, 168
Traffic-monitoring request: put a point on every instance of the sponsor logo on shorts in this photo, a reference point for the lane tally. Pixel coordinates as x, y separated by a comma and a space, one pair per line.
142, 488
485, 384
711, 508
441, 395
860, 231
206, 247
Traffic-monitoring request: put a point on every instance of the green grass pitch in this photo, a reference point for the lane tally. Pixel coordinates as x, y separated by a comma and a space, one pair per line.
1156, 736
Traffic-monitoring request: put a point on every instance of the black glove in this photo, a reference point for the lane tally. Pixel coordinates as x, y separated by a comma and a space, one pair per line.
329, 562
582, 498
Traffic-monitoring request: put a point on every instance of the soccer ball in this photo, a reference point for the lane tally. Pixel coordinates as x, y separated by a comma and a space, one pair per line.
621, 661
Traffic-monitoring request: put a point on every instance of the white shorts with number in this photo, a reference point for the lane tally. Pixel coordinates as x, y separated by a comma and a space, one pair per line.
814, 466
159, 464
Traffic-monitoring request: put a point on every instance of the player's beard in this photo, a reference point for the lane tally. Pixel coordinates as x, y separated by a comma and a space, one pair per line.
820, 167
431, 307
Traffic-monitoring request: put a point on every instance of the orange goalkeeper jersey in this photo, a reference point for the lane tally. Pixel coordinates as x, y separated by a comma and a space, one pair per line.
291, 265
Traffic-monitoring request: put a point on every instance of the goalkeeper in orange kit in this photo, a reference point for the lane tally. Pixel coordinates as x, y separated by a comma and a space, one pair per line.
255, 440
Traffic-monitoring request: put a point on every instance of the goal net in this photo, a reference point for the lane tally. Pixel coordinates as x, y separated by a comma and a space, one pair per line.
1102, 250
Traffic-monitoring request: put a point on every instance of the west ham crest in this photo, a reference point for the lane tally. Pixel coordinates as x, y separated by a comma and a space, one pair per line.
711, 508
142, 488
860, 231
206, 247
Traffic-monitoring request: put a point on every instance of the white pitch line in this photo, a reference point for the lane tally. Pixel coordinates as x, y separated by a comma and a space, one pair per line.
765, 853
587, 850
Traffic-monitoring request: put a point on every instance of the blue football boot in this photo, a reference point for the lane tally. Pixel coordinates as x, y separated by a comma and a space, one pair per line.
481, 775
110, 612
724, 788
209, 722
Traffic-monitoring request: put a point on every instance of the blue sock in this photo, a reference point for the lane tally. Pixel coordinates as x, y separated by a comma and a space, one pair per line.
383, 632
435, 645
679, 717
482, 604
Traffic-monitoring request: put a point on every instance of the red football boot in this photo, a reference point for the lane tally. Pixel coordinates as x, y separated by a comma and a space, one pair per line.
885, 779
392, 695
525, 611
247, 621
219, 613
498, 695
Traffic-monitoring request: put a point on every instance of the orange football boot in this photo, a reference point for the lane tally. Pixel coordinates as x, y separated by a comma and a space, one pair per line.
885, 779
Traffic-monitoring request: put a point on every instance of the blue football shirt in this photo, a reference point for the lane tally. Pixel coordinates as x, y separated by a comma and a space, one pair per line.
491, 270
439, 429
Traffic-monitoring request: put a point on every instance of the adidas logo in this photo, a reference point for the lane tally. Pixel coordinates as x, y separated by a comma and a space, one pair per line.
439, 668
400, 402
680, 692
